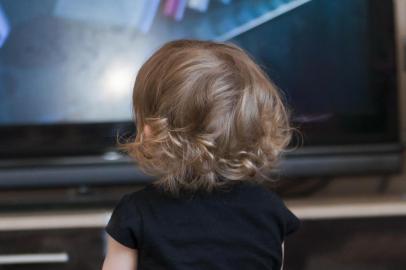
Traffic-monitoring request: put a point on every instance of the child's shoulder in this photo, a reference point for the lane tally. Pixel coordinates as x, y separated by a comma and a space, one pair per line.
275, 203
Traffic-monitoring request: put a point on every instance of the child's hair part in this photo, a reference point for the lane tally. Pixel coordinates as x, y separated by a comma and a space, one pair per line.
214, 116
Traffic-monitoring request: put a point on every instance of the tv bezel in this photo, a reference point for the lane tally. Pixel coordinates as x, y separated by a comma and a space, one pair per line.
61, 144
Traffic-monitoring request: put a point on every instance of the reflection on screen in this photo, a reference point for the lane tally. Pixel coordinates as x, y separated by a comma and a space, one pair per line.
75, 61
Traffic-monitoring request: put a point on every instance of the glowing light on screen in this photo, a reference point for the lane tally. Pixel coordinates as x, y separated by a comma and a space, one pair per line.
199, 5
118, 81
149, 15
4, 27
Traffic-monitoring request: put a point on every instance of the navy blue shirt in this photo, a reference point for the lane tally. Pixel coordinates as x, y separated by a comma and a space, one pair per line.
241, 227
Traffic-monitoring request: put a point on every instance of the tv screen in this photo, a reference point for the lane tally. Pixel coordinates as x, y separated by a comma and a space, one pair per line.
67, 67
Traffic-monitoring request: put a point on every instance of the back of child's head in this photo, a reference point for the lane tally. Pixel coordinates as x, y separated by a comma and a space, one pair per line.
214, 116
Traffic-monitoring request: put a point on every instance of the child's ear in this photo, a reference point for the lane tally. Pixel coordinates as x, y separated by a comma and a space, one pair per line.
147, 130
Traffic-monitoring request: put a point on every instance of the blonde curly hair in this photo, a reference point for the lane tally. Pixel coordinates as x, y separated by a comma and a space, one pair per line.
214, 115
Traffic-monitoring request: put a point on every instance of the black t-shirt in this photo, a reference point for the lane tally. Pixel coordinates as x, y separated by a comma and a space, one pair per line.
242, 227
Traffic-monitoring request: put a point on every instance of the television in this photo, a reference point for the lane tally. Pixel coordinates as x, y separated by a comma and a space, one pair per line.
67, 69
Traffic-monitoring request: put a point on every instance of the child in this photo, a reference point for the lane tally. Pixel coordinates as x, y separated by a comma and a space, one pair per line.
210, 127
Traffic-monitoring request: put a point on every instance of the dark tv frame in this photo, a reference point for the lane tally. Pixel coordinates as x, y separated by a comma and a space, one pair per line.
84, 154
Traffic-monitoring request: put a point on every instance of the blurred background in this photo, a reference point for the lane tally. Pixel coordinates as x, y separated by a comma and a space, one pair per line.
66, 73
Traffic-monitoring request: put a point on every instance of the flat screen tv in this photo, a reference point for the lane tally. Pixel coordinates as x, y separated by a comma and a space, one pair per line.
67, 70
